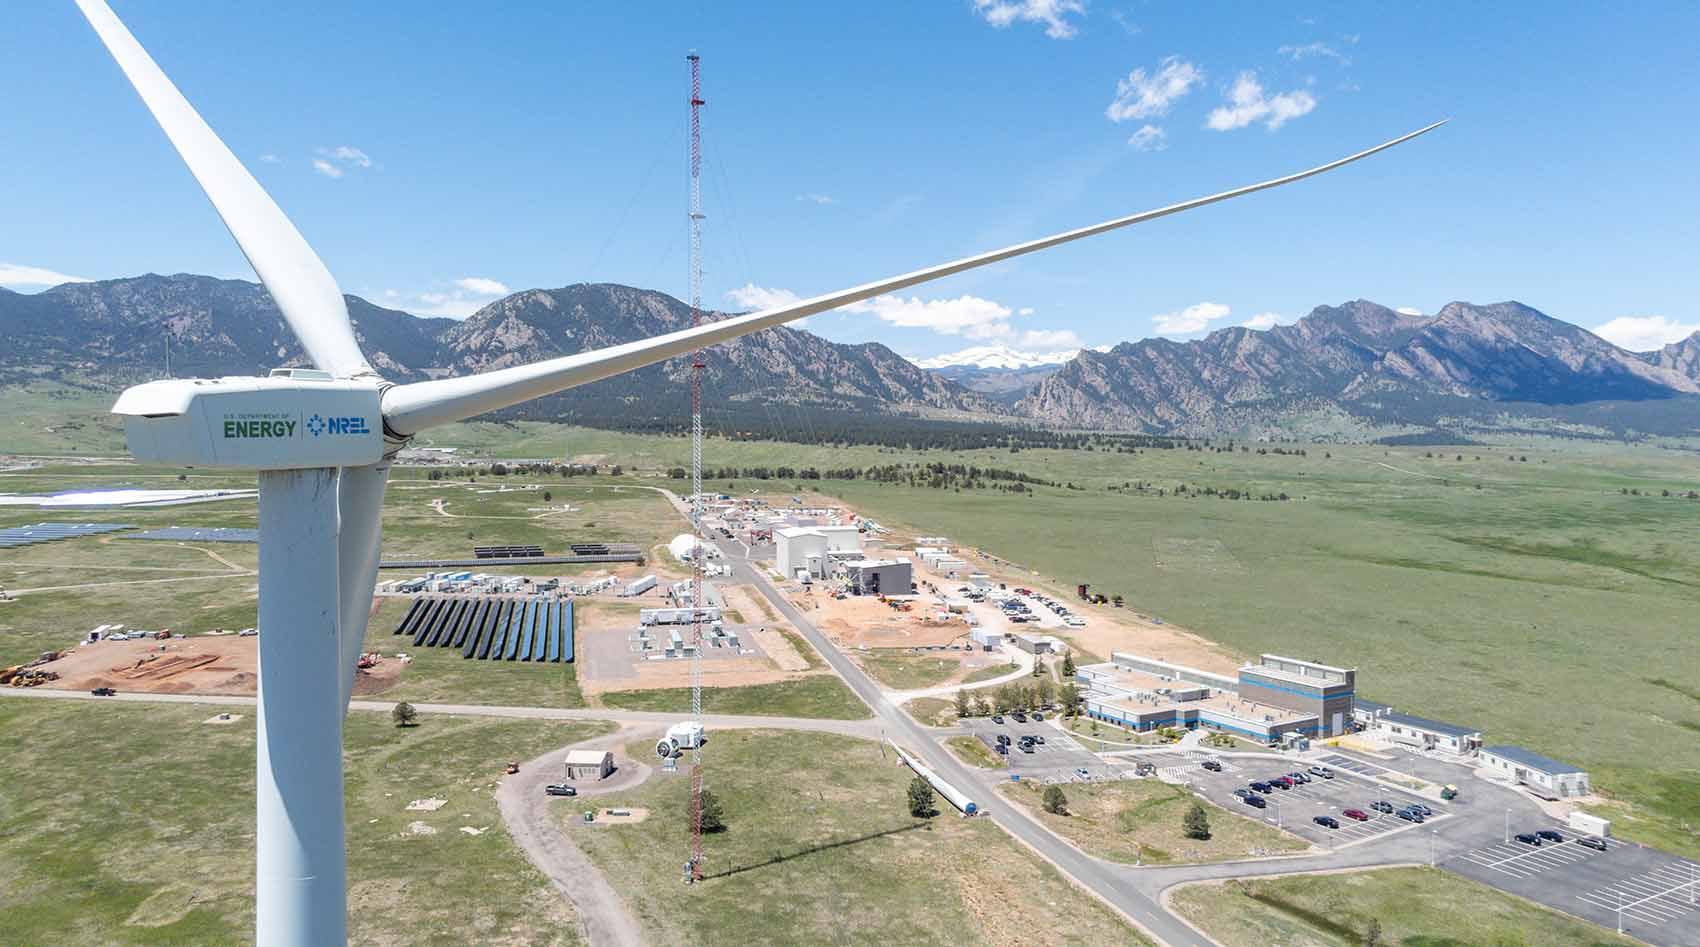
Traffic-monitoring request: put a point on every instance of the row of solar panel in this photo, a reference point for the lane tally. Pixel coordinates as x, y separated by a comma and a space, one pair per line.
200, 534
506, 552
496, 629
14, 536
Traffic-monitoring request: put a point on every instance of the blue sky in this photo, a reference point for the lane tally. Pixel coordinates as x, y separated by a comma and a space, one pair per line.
435, 154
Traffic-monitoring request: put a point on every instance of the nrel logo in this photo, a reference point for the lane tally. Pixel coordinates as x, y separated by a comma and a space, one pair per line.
317, 425
276, 426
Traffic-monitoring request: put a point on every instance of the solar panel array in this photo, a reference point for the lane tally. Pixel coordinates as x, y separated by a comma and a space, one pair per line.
14, 536
201, 534
536, 629
506, 552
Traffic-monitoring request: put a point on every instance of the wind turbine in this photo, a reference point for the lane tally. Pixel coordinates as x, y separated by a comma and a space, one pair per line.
321, 441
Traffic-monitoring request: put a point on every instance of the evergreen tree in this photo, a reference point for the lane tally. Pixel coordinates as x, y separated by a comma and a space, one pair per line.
403, 714
1055, 802
920, 798
1196, 822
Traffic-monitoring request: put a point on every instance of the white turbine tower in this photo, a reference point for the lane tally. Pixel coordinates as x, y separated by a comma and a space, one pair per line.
321, 441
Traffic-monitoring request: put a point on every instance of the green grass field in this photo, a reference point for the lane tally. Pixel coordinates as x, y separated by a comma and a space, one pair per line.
819, 847
821, 696
975, 753
134, 824
1139, 821
903, 671
1416, 907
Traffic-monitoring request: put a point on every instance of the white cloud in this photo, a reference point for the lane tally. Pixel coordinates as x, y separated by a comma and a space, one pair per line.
817, 198
482, 286
968, 316
350, 155
1053, 13
17, 274
1314, 49
1149, 138
1127, 25
1263, 320
1193, 318
332, 162
1645, 333
1024, 311
757, 298
271, 159
1143, 95
1408, 311
391, 294
1247, 104
1050, 340
326, 168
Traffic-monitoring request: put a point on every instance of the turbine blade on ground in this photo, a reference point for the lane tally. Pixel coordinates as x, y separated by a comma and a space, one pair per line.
296, 277
411, 408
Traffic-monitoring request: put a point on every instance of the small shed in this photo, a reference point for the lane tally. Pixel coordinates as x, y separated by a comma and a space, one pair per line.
589, 764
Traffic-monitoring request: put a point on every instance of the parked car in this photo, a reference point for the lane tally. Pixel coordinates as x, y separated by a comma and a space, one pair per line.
103, 692
997, 718
1003, 738
1019, 716
1026, 747
1420, 808
1326, 821
1416, 817
1528, 838
247, 633
1038, 717
1298, 777
1082, 772
1073, 622
560, 789
1281, 782
1357, 814
1003, 749
1592, 841
1256, 802
1262, 787
1381, 805
1322, 771
1242, 793
1039, 738
1212, 765
1548, 835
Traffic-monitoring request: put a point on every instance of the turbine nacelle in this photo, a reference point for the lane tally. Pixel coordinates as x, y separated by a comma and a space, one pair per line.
291, 420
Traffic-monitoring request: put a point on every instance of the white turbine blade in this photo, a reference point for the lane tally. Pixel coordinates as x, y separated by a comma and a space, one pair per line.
297, 278
412, 408
360, 508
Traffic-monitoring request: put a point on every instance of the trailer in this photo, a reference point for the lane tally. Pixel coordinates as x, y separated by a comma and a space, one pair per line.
638, 586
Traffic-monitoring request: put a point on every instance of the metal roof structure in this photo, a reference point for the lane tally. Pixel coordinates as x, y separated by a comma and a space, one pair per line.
1531, 759
200, 534
15, 536
1433, 726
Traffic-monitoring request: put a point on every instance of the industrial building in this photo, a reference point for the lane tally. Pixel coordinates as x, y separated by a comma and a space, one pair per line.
589, 764
1320, 690
812, 550
880, 576
1037, 644
1382, 721
986, 638
1549, 778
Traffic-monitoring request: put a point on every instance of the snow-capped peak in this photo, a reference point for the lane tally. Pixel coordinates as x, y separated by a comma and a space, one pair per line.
994, 356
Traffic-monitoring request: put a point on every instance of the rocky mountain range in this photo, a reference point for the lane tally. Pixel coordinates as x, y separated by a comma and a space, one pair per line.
1357, 369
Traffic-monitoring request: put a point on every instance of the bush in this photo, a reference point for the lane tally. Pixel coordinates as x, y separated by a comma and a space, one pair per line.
1055, 802
1196, 822
920, 798
404, 714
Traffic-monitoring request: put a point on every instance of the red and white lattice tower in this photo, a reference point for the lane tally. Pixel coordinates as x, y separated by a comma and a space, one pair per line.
699, 557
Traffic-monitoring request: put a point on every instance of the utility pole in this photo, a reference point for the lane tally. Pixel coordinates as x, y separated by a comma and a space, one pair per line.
697, 560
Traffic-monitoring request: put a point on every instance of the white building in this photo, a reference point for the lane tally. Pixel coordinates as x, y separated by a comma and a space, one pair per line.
801, 549
1549, 778
841, 538
1420, 732
589, 764
986, 638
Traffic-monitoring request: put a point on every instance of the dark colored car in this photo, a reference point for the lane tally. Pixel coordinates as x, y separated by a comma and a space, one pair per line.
1417, 817
1358, 814
1528, 838
1038, 717
560, 789
1003, 749
1327, 821
1281, 782
1003, 738
1256, 802
103, 692
1019, 717
1262, 786
1548, 835
1212, 766
1242, 793
997, 718
1420, 808
1591, 841
1381, 805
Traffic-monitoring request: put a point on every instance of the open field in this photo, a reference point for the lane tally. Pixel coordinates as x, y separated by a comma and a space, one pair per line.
1415, 906
1139, 821
932, 711
821, 696
1467, 584
975, 753
904, 671
131, 824
820, 848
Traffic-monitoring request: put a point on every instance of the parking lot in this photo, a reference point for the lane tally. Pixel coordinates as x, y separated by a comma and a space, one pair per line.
1055, 760
1658, 894
1295, 809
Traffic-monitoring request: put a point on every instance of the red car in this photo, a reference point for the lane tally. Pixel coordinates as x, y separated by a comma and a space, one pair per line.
1357, 814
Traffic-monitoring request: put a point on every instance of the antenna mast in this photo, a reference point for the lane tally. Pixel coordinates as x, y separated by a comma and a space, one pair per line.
697, 560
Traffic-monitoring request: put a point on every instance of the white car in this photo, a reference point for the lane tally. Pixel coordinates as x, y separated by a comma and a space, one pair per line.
1074, 621
118, 637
